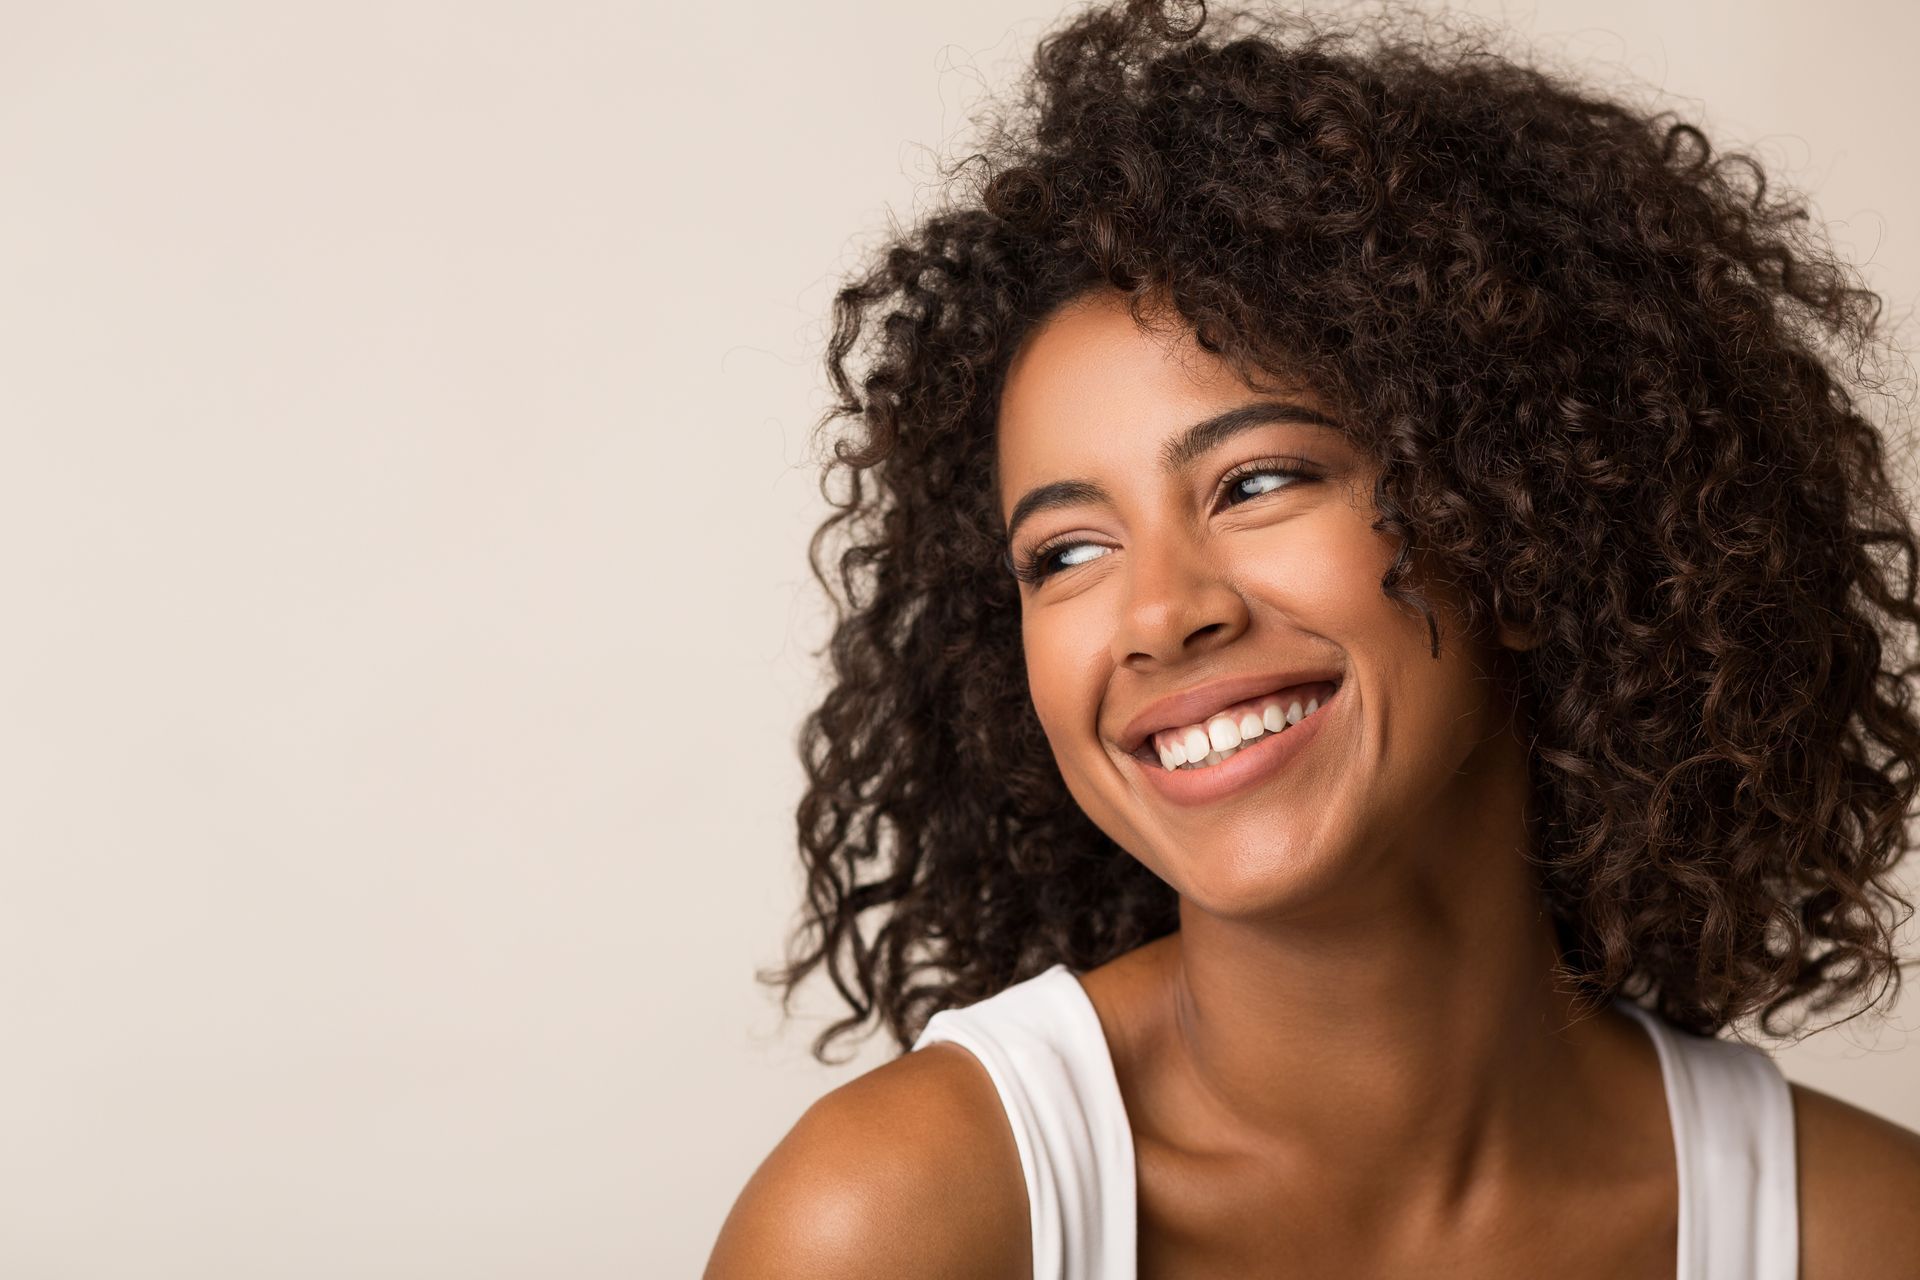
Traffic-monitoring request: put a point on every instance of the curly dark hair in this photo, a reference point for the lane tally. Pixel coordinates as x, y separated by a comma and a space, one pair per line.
1606, 376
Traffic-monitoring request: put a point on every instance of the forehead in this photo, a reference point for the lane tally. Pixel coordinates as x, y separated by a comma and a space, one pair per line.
1091, 385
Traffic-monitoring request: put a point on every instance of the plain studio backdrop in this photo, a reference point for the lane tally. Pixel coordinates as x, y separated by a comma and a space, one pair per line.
402, 518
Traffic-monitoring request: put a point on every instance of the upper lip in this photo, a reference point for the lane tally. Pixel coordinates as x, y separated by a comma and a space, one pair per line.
1192, 706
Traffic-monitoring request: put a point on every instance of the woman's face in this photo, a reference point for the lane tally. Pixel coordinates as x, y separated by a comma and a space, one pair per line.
1189, 573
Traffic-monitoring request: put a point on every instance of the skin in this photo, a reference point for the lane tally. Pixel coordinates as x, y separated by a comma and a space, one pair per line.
1349, 1061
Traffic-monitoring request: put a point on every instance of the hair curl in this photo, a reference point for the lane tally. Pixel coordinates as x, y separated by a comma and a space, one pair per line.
1601, 370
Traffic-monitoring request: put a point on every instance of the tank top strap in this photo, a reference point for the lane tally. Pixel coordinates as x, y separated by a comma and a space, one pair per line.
1731, 1113
1042, 1045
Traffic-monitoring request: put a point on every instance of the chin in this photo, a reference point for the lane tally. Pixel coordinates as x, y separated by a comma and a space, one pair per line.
1250, 879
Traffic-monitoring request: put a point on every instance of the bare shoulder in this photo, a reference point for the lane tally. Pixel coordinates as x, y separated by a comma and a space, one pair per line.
910, 1169
1859, 1190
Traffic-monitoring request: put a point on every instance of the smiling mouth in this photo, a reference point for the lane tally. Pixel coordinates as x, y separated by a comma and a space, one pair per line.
1223, 735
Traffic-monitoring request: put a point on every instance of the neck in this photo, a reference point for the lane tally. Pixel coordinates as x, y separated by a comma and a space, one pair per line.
1411, 1026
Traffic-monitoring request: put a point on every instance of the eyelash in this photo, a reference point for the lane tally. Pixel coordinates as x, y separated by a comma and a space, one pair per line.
1032, 568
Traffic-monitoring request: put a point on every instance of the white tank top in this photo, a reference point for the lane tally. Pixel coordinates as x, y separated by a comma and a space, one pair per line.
1041, 1042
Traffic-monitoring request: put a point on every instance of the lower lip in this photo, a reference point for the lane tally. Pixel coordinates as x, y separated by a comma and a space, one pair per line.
1250, 765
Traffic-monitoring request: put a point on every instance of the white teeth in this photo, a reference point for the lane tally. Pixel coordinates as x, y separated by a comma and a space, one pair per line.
1207, 744
1197, 744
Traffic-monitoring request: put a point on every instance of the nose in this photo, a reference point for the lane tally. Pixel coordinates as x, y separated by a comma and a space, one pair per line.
1178, 604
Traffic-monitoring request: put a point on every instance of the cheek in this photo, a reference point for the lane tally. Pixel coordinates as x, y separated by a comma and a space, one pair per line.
1326, 567
1065, 650
1049, 673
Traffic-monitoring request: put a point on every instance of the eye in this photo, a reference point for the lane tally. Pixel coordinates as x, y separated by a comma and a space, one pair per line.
1256, 479
1050, 558
1241, 485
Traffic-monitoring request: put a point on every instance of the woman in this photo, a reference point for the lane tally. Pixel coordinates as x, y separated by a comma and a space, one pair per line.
1369, 638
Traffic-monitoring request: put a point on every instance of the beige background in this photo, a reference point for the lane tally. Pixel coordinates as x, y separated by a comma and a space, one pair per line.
402, 513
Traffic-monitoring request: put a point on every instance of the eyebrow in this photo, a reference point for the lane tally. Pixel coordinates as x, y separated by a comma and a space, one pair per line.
1175, 455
